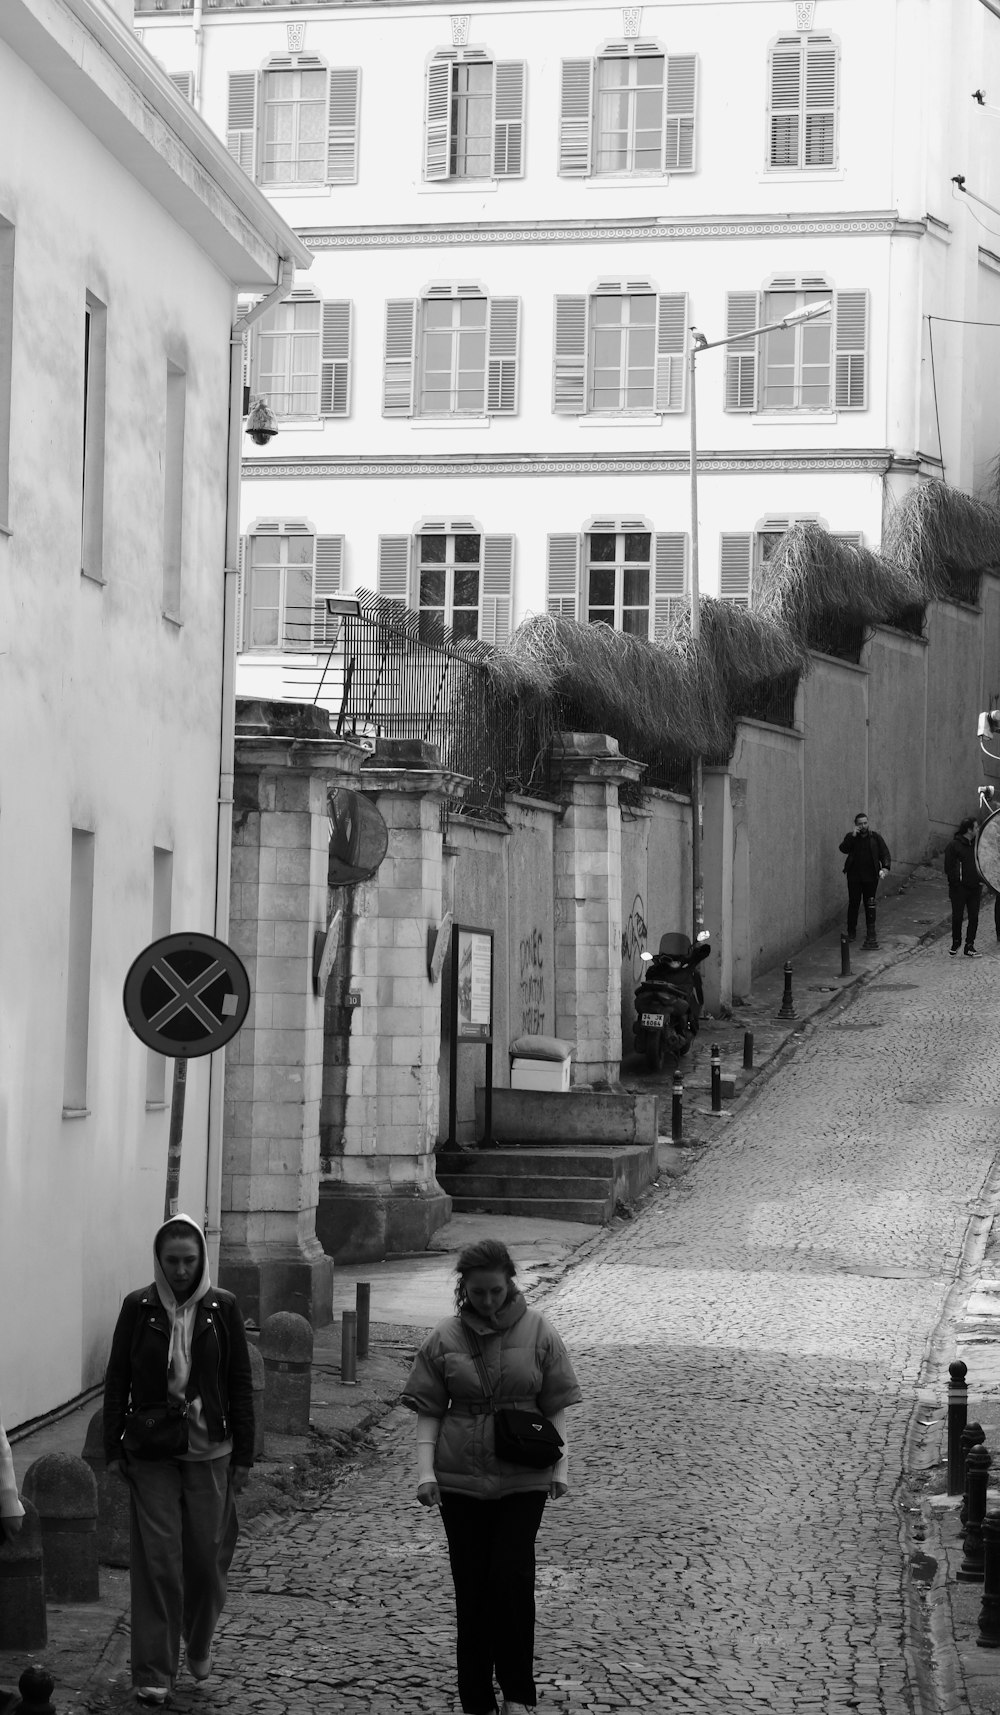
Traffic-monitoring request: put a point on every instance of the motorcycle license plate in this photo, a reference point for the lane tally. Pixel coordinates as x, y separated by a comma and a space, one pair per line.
652, 1021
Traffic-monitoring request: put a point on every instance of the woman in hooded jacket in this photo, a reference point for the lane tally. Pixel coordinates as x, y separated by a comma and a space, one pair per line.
494, 1354
178, 1428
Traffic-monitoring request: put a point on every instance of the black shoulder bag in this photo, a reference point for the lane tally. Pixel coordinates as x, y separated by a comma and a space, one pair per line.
519, 1437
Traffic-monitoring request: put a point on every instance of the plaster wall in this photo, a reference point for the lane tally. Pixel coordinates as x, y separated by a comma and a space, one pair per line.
954, 671
835, 768
897, 802
771, 762
655, 888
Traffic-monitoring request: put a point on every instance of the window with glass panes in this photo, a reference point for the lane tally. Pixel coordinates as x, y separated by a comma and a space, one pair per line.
452, 356
448, 573
294, 123
470, 130
796, 361
628, 119
618, 574
278, 603
286, 358
622, 352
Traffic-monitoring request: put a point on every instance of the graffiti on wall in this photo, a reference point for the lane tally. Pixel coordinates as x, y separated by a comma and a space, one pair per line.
532, 983
634, 936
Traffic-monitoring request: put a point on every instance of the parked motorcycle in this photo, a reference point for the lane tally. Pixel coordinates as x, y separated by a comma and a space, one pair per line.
669, 1000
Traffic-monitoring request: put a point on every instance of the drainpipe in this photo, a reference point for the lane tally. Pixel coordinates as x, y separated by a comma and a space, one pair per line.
227, 760
199, 51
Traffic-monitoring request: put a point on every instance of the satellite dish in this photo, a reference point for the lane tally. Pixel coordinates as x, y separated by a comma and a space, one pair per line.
358, 838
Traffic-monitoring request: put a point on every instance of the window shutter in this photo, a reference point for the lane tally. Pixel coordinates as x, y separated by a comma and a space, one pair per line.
671, 343
182, 82
328, 573
508, 119
498, 579
335, 361
742, 314
241, 119
394, 568
734, 573
569, 392
400, 346
437, 119
821, 103
241, 560
786, 98
562, 584
670, 580
853, 538
342, 126
575, 118
850, 390
678, 134
501, 363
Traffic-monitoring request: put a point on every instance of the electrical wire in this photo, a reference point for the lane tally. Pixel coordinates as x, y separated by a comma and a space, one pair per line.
937, 413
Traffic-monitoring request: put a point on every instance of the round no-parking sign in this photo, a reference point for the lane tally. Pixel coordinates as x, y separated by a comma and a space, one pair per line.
186, 995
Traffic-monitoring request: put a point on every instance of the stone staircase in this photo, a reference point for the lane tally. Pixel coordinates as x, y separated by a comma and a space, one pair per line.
563, 1184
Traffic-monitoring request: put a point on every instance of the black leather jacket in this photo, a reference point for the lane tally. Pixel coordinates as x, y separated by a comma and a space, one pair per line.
220, 1368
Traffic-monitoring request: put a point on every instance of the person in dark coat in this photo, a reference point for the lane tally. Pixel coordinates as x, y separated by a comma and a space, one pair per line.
964, 887
867, 862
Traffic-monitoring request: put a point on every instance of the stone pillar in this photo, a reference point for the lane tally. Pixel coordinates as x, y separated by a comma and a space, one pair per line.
270, 1256
380, 1195
587, 769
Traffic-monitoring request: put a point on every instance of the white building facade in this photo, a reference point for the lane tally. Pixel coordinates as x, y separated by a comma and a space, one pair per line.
126, 234
517, 214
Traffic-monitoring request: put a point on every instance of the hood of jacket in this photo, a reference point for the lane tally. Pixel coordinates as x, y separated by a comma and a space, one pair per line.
181, 1315
509, 1313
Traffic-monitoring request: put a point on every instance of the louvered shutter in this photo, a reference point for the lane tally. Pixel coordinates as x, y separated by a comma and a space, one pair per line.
508, 119
328, 573
819, 149
400, 352
241, 560
575, 118
183, 82
786, 103
742, 314
437, 119
342, 126
671, 343
853, 538
734, 569
241, 119
335, 361
569, 388
502, 359
850, 389
394, 568
498, 580
678, 132
562, 581
669, 580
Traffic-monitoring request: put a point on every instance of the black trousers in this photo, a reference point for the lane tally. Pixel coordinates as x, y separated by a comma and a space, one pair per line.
964, 899
860, 887
491, 1545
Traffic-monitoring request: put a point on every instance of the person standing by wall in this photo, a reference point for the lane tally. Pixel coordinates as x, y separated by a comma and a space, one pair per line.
867, 862
11, 1510
494, 1354
964, 887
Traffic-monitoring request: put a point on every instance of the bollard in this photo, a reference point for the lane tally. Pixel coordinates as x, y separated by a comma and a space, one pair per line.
36, 1688
958, 1407
787, 1006
870, 942
989, 1613
22, 1587
258, 1382
845, 955
977, 1472
972, 1435
677, 1109
716, 1079
286, 1347
63, 1491
349, 1348
363, 1301
112, 1498
748, 1050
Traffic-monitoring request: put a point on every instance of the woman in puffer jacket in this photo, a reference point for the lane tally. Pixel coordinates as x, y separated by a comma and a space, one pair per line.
491, 1509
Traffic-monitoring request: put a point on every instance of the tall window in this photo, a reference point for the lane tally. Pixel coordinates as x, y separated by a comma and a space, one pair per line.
452, 353
278, 602
802, 123
287, 357
796, 361
623, 352
629, 115
6, 353
470, 132
294, 127
474, 116
630, 110
618, 579
448, 574
81, 914
621, 349
453, 357
92, 488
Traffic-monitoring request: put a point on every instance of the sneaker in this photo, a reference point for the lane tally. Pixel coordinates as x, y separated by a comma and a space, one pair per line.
955, 950
198, 1669
516, 1709
152, 1693
970, 953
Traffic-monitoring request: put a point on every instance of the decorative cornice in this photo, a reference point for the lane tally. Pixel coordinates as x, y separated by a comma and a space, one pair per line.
876, 460
597, 231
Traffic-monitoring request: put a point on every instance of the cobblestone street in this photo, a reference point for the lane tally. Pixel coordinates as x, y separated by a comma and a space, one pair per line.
749, 1352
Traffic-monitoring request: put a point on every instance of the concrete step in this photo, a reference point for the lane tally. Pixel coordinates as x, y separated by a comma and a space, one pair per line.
528, 1160
596, 1211
484, 1184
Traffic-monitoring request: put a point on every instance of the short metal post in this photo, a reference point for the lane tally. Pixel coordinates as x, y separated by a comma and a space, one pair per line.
677, 1109
349, 1348
989, 1613
845, 955
973, 1435
716, 1079
958, 1409
870, 942
977, 1471
748, 1050
787, 1005
363, 1312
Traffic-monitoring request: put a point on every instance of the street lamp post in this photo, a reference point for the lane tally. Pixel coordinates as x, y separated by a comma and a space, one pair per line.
699, 344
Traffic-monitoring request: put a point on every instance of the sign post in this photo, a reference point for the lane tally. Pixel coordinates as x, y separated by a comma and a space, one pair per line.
184, 996
471, 1014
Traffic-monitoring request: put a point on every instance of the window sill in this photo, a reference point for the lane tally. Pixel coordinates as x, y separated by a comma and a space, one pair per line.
312, 426
621, 420
789, 419
173, 619
801, 175
450, 425
156, 1107
319, 190
5, 529
627, 181
75, 1113
93, 577
457, 187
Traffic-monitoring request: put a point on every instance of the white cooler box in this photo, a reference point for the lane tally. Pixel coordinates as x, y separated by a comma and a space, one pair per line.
539, 1074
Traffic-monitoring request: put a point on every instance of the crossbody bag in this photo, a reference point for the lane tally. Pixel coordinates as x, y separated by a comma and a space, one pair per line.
519, 1437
